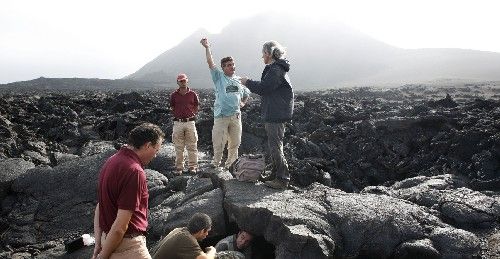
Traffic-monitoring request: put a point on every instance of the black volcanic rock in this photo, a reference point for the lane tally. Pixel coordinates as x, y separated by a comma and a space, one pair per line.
72, 84
446, 102
408, 156
96, 147
51, 203
320, 222
449, 195
11, 169
210, 202
60, 199
373, 135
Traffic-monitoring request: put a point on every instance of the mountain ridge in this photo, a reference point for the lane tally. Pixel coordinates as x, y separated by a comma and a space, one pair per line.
322, 55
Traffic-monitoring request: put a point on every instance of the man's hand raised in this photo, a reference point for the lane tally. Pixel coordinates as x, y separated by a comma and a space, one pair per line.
205, 43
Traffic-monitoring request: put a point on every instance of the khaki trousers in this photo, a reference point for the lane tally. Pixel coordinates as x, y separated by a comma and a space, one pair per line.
129, 248
185, 136
226, 130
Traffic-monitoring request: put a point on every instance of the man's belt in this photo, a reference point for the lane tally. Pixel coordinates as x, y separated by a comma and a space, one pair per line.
133, 234
130, 235
185, 119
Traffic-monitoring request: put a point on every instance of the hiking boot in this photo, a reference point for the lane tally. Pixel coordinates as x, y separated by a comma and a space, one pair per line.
192, 170
277, 184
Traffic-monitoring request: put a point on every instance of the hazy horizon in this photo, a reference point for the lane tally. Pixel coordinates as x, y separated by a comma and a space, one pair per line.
112, 39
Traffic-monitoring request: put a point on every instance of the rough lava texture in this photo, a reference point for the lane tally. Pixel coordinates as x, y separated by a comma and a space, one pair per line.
409, 172
321, 222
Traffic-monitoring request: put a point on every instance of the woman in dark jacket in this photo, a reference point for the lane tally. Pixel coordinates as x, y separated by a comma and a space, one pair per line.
276, 94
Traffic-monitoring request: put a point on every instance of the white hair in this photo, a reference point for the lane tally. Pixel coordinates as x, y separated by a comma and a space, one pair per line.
274, 48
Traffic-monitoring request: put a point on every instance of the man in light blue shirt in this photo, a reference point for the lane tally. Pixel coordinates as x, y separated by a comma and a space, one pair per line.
230, 96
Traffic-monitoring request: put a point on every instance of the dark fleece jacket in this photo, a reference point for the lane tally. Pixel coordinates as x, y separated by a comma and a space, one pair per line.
276, 92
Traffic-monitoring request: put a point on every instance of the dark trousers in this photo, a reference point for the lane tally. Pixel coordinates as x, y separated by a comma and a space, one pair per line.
275, 133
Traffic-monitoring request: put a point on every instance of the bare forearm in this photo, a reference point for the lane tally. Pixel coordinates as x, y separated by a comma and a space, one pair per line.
115, 235
97, 233
113, 240
210, 254
243, 101
210, 60
97, 228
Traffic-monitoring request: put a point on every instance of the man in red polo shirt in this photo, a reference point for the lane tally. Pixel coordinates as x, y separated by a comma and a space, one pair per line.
184, 105
120, 218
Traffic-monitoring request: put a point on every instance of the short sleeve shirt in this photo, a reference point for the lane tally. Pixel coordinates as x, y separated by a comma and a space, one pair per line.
228, 93
178, 244
185, 106
123, 185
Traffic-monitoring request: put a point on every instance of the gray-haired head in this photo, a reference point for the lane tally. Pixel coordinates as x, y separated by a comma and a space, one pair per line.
274, 48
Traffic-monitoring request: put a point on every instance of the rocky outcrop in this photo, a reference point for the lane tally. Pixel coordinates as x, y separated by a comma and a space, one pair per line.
375, 173
51, 205
11, 169
321, 222
448, 195
345, 138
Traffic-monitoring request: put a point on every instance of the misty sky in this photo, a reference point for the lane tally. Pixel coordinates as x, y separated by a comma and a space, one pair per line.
111, 38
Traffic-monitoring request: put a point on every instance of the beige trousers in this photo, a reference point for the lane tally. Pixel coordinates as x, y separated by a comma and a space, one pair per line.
226, 130
130, 248
185, 136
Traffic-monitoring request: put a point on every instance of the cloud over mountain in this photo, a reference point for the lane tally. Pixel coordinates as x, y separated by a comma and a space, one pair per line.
322, 54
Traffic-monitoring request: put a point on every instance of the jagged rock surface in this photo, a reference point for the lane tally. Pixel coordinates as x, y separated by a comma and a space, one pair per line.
321, 222
399, 173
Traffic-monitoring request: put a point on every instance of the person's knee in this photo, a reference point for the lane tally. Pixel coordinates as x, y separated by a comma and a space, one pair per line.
192, 148
179, 146
233, 146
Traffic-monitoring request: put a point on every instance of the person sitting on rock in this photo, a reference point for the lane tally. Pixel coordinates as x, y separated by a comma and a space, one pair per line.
182, 243
240, 242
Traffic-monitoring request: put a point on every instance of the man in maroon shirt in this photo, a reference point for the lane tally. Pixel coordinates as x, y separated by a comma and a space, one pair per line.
184, 104
120, 218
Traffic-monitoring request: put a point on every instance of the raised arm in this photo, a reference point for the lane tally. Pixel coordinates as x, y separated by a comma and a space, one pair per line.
208, 53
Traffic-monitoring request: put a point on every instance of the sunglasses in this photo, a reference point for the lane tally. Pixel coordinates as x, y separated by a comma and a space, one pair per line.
183, 80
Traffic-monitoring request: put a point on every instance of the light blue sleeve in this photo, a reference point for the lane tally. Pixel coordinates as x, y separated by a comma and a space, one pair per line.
216, 74
246, 91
